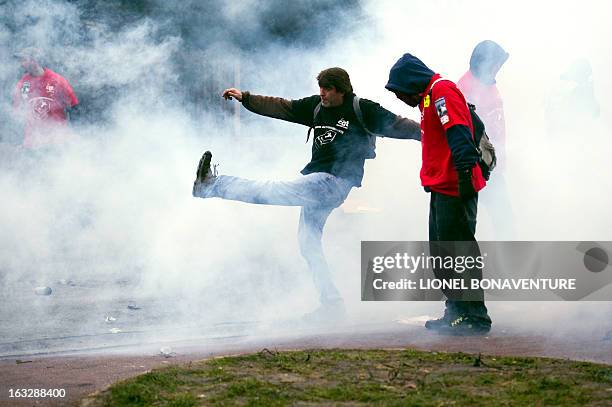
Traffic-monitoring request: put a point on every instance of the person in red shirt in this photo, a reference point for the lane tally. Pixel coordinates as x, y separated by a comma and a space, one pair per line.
42, 101
450, 172
479, 86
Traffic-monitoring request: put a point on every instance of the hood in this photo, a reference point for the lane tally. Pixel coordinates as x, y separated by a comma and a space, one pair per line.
409, 75
486, 56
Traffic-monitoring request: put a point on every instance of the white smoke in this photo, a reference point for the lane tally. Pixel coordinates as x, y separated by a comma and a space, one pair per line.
117, 206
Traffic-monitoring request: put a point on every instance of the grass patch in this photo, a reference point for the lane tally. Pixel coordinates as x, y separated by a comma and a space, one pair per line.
366, 377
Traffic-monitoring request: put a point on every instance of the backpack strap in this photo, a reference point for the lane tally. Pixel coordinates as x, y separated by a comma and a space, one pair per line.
371, 135
315, 112
359, 115
471, 109
436, 81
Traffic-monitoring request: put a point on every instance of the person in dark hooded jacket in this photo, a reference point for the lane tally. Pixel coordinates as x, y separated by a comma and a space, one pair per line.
451, 174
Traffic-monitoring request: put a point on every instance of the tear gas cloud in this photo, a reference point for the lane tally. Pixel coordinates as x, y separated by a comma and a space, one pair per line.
116, 206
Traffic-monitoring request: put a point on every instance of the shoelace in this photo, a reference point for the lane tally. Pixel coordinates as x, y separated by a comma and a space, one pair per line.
457, 321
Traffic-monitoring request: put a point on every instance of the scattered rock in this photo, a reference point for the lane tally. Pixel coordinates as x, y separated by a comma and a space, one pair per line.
115, 330
43, 290
133, 307
109, 319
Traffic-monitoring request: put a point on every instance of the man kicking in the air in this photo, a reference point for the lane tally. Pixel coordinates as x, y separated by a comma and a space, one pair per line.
345, 128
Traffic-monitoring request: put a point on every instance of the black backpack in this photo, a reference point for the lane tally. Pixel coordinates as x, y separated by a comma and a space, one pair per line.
371, 153
486, 152
485, 148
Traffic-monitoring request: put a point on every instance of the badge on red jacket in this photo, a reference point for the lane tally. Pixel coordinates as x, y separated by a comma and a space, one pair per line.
442, 111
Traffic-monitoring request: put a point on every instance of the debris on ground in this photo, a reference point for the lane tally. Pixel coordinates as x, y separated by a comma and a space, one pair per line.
167, 352
417, 321
122, 282
133, 307
43, 290
115, 330
108, 319
265, 352
478, 361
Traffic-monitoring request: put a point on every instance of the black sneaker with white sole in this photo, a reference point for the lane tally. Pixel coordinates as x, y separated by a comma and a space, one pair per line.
450, 312
465, 325
434, 324
205, 175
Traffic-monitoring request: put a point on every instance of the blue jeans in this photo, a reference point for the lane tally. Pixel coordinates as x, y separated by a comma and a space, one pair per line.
317, 193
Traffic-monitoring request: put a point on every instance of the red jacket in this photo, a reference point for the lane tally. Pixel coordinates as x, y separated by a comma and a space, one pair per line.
444, 108
490, 109
43, 101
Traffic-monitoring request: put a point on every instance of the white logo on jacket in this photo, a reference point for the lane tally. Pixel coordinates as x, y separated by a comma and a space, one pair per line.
41, 106
326, 138
343, 123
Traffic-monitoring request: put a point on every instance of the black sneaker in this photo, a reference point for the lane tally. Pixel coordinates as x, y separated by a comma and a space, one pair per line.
435, 324
465, 325
204, 175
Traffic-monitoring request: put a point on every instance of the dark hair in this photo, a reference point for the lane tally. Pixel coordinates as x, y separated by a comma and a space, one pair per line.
336, 77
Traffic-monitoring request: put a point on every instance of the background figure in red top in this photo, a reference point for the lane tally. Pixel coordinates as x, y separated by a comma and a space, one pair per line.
43, 102
479, 87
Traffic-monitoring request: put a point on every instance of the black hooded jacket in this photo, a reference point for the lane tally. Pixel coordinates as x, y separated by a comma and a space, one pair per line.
340, 144
411, 76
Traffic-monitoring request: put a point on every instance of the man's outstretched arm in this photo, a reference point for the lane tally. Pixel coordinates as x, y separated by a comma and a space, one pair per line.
295, 111
381, 121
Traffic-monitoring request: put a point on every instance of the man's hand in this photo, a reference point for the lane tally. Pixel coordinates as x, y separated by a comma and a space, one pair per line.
73, 113
466, 188
232, 93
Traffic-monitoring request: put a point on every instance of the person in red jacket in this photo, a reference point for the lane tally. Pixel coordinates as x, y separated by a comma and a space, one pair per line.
42, 101
479, 86
450, 172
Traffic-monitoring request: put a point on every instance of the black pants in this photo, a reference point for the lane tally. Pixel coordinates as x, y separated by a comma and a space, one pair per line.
453, 220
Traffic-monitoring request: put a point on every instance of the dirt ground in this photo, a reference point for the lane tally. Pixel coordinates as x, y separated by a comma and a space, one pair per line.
86, 372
